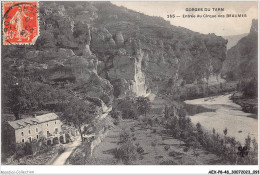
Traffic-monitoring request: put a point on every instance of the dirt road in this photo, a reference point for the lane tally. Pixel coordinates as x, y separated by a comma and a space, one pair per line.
61, 159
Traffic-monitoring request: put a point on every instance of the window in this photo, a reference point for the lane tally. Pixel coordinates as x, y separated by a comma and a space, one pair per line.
48, 133
37, 136
36, 129
23, 140
30, 139
29, 131
47, 124
55, 121
56, 130
22, 133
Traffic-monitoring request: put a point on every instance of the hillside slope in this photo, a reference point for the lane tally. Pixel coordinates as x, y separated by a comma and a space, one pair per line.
98, 50
241, 62
168, 53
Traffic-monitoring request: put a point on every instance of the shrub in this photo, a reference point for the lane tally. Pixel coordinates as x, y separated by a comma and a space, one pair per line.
250, 89
167, 147
124, 137
186, 149
116, 122
153, 143
126, 152
61, 149
77, 159
140, 150
28, 148
154, 131
20, 150
44, 148
116, 114
134, 138
174, 154
143, 105
137, 144
141, 157
150, 122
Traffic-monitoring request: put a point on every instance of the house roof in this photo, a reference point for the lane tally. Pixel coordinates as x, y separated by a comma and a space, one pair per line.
23, 122
46, 117
32, 120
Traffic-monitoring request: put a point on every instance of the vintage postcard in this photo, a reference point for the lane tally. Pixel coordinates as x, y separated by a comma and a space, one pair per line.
129, 83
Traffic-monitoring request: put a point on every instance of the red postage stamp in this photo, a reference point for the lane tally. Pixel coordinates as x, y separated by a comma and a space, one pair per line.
20, 23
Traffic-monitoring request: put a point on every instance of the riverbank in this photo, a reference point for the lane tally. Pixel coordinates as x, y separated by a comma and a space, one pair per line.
227, 115
195, 91
249, 105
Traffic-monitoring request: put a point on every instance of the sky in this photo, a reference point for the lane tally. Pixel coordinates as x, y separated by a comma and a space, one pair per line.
219, 26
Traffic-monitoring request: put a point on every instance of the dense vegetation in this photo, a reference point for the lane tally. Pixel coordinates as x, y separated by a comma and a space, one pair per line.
131, 107
246, 96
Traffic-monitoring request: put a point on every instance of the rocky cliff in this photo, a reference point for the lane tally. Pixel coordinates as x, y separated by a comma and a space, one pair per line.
99, 50
165, 52
61, 57
241, 62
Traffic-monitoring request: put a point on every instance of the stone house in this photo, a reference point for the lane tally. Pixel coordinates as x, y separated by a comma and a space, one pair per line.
27, 129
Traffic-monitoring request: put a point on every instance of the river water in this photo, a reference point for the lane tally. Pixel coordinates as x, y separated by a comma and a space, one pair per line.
220, 112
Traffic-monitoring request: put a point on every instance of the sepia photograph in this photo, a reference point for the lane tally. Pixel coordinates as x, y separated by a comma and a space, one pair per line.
129, 83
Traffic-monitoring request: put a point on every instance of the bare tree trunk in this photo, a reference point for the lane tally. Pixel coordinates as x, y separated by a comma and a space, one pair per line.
81, 134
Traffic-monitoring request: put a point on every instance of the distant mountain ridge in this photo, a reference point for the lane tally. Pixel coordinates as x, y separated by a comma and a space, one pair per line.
233, 39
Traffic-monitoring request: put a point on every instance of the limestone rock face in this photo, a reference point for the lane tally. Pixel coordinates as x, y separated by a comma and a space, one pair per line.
119, 39
62, 55
94, 45
168, 52
97, 87
241, 62
127, 73
254, 26
111, 43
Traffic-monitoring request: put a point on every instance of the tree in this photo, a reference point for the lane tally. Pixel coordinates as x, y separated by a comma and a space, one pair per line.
195, 146
199, 130
78, 112
20, 150
250, 89
214, 131
180, 135
225, 133
166, 112
248, 142
14, 101
143, 105
26, 96
128, 107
